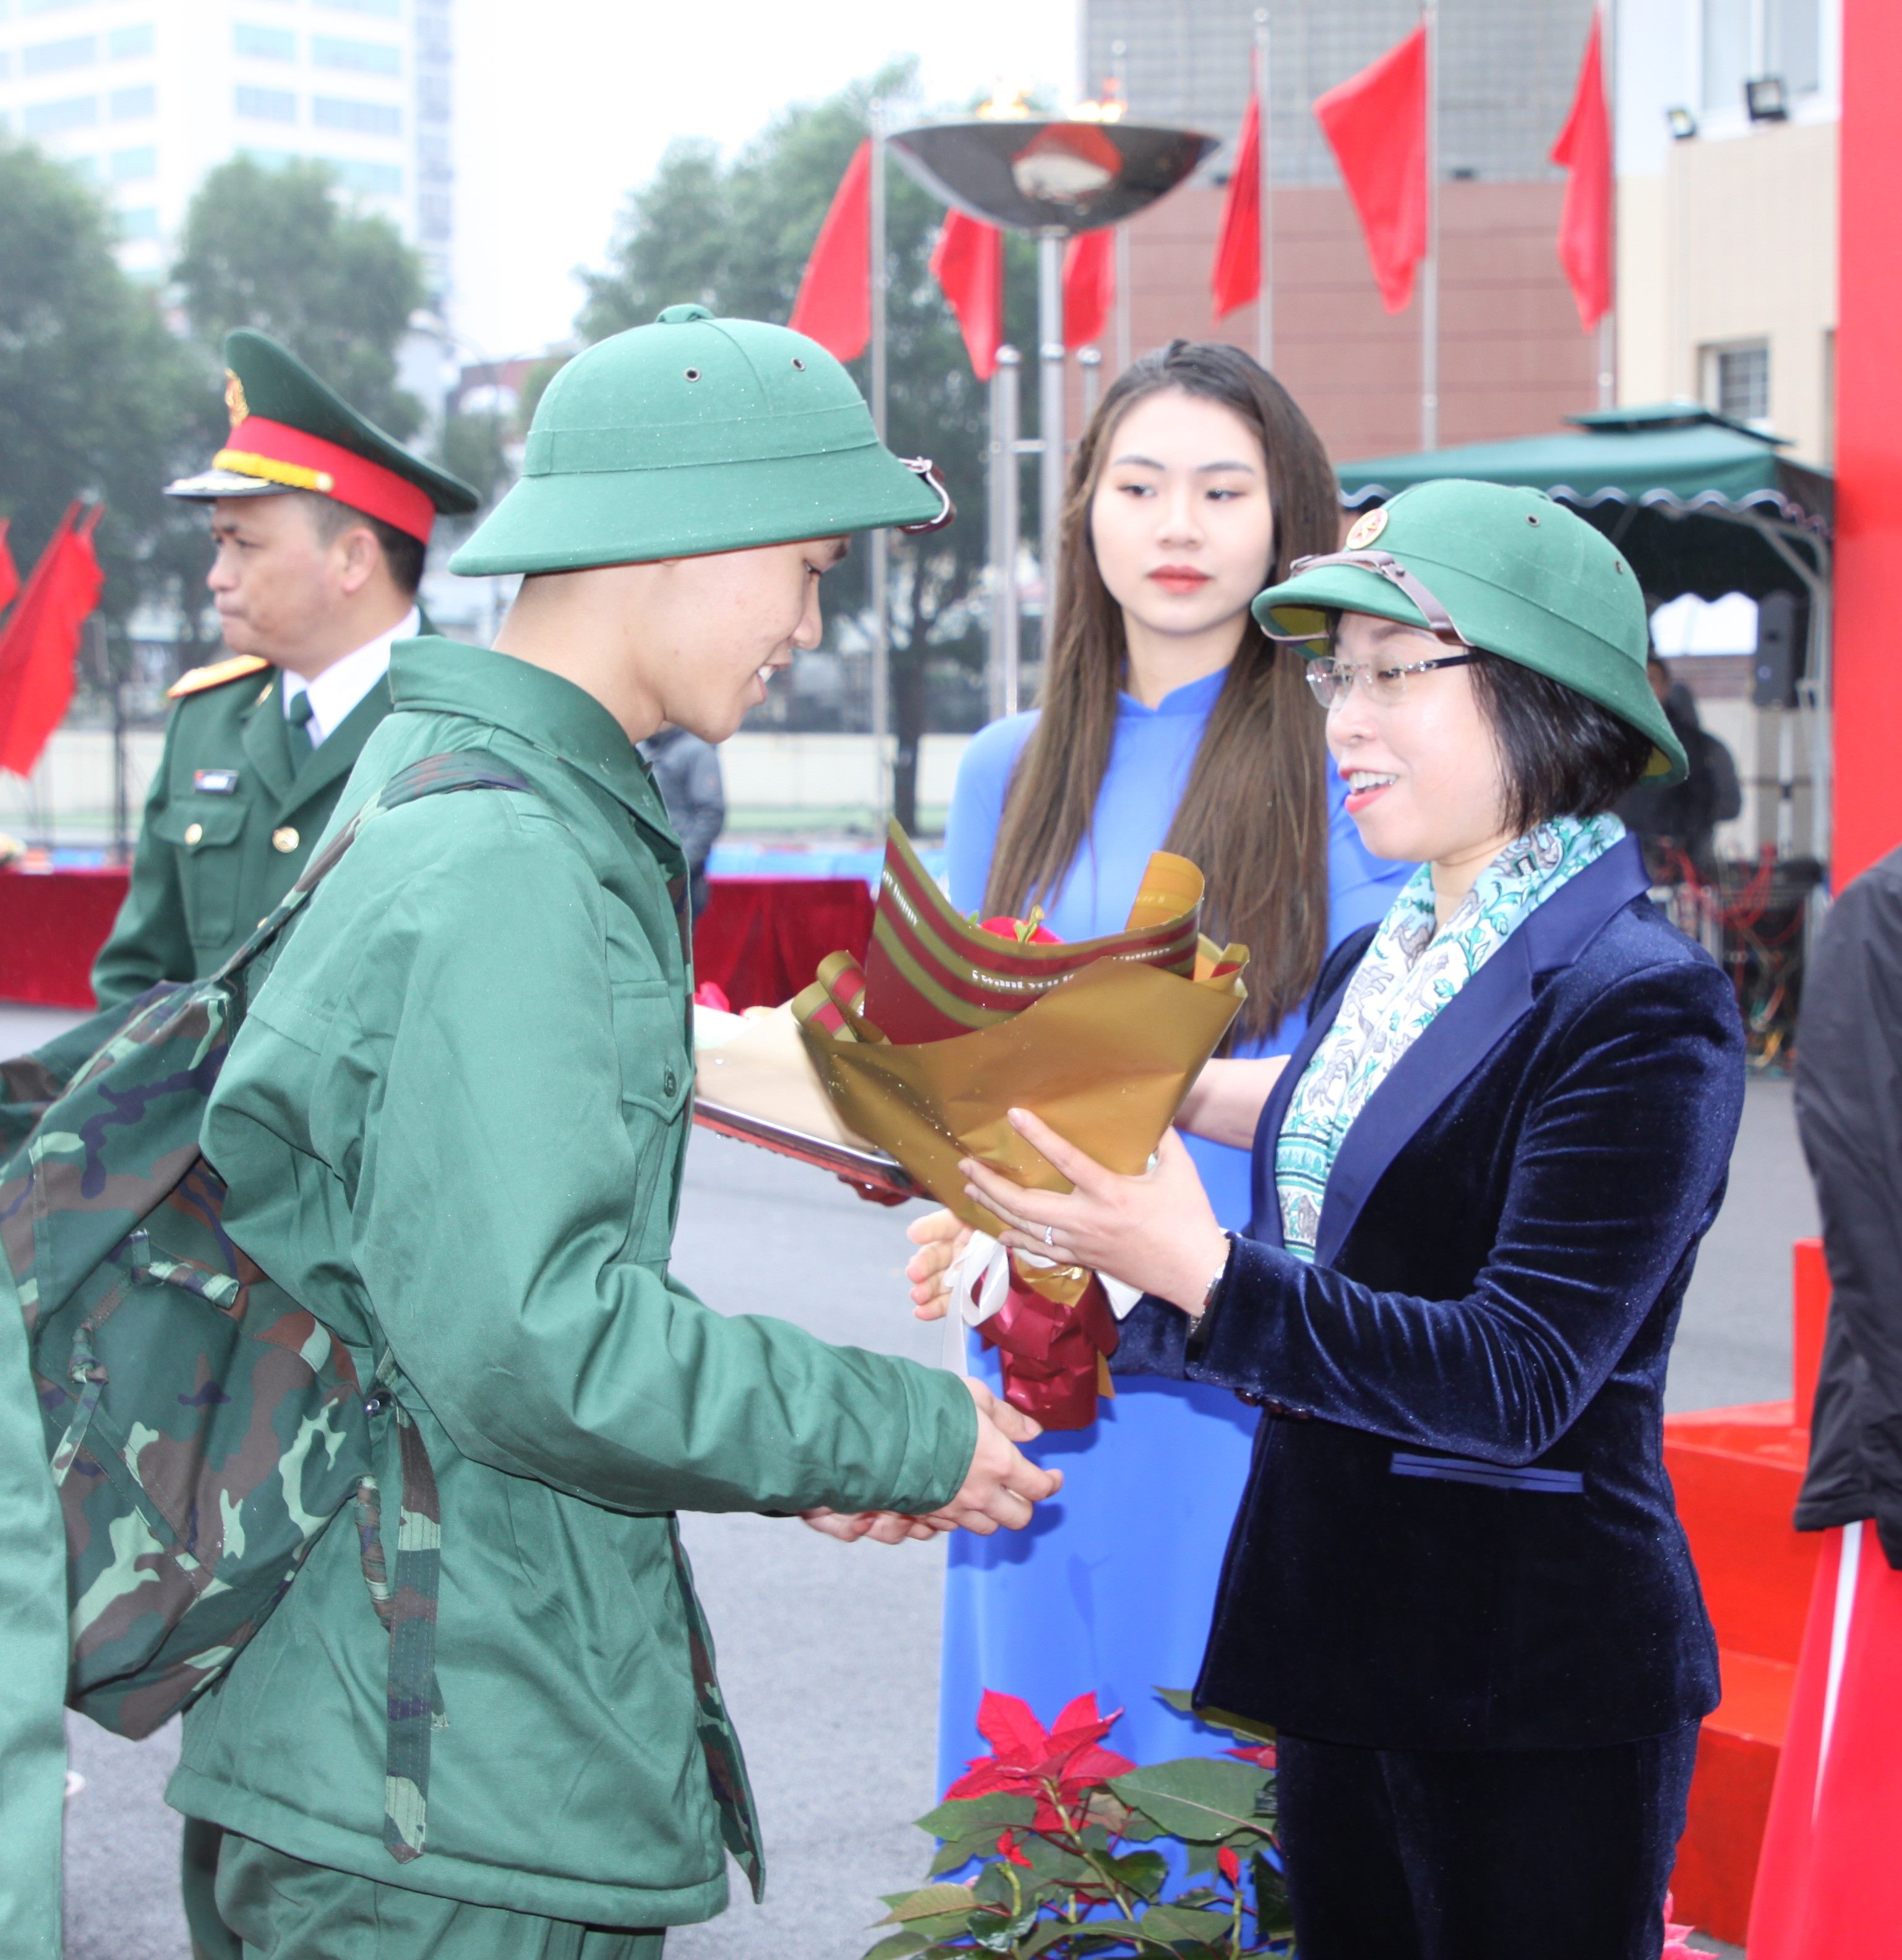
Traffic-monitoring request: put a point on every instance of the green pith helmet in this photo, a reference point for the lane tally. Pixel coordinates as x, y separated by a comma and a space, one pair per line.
696, 435
291, 430
1516, 575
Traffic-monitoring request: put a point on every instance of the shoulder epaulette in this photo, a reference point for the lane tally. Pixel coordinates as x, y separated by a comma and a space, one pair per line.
216, 675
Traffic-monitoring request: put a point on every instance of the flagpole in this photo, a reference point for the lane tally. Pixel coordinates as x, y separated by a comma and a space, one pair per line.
1607, 320
1264, 298
1429, 271
1050, 455
881, 537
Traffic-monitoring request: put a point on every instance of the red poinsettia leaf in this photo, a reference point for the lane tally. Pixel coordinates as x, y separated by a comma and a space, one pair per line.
1007, 1849
1262, 1756
982, 1777
1229, 1864
1092, 1765
1014, 1733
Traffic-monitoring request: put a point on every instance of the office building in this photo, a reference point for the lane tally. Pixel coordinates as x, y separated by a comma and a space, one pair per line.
146, 95
1513, 358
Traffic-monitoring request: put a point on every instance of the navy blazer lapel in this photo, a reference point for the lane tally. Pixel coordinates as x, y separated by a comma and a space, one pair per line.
1468, 1028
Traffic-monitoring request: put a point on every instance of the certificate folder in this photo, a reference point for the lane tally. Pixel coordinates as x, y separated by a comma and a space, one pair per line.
862, 1164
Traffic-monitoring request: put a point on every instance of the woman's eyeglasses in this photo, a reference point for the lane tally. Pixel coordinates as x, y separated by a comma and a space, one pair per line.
1333, 680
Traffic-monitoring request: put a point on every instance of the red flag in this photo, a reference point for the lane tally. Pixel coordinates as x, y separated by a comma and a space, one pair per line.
1375, 123
1090, 286
1235, 277
41, 640
1584, 149
9, 575
834, 302
967, 263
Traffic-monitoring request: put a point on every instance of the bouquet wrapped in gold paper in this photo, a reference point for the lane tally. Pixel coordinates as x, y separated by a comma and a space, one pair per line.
950, 1023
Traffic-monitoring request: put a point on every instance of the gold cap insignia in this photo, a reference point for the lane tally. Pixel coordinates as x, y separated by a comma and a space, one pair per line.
235, 405
1366, 528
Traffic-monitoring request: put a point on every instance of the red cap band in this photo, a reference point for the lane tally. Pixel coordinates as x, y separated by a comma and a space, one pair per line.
258, 447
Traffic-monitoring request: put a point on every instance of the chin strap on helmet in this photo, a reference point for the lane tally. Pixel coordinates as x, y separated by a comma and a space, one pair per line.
946, 510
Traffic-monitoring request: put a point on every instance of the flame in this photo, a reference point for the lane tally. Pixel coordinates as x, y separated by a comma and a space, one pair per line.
1009, 103
1109, 108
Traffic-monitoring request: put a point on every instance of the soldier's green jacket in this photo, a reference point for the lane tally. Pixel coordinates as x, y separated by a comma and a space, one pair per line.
210, 863
452, 1124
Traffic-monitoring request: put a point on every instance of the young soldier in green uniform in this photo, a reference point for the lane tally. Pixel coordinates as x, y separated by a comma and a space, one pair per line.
452, 1125
321, 522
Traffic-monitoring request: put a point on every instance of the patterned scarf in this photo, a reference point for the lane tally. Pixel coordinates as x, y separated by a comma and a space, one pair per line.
1407, 975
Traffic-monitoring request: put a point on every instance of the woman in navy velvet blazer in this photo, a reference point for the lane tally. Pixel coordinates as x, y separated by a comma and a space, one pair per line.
1457, 1585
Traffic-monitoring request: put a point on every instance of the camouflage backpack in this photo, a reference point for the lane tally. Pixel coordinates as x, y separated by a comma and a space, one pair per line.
204, 1428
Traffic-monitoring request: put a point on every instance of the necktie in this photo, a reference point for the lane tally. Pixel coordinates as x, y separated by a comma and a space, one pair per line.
297, 733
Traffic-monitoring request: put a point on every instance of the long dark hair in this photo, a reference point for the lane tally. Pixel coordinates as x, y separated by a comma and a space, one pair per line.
1255, 814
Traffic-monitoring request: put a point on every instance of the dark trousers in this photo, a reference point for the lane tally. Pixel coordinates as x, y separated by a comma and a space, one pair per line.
1400, 1854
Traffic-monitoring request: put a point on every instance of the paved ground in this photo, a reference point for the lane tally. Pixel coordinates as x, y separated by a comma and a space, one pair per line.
828, 1652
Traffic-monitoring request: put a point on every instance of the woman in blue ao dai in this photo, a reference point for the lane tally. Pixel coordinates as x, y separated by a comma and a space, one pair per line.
1168, 721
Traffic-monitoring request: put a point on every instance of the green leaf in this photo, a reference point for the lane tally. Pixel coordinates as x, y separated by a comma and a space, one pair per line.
956, 1851
1199, 1797
1175, 1923
965, 1816
899, 1944
1273, 1915
1142, 1873
1053, 1862
926, 1902
1249, 1730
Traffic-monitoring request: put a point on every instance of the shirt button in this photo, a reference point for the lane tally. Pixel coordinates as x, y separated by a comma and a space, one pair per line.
284, 838
667, 1083
193, 831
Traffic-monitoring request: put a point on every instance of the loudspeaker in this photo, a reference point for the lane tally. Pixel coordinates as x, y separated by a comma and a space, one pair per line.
1783, 627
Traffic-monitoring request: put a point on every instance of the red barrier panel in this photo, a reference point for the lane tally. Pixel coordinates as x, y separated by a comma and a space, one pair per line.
52, 925
761, 939
1736, 1472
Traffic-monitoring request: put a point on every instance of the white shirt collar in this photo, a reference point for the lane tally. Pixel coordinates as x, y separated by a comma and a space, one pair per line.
345, 682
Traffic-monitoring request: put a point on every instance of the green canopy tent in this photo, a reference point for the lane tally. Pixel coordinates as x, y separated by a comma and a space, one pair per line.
1696, 502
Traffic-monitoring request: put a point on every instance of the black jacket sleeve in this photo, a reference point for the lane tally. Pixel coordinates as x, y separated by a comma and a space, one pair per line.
1849, 1111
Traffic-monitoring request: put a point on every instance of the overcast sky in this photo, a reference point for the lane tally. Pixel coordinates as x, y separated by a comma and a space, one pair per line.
563, 105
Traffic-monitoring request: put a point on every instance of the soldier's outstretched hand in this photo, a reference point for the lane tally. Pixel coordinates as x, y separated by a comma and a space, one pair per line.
1002, 1487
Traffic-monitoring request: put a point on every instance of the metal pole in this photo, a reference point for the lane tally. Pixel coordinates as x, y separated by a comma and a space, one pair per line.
1090, 360
1429, 271
881, 537
1050, 416
122, 798
1006, 522
1264, 121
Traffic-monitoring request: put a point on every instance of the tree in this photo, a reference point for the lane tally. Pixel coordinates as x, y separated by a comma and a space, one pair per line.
736, 239
275, 248
90, 380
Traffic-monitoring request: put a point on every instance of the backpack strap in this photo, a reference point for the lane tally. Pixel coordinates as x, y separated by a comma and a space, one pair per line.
405, 1601
434, 776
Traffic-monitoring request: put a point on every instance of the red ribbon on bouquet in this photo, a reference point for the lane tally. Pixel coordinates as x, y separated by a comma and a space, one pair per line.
1054, 1355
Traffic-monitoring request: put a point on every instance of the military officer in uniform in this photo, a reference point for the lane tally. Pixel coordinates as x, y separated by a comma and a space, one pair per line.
321, 522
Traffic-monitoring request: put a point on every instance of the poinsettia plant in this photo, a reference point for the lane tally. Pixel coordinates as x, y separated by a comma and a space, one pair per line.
1070, 1841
